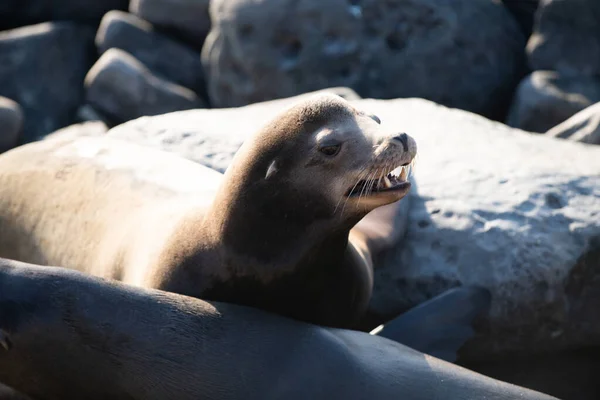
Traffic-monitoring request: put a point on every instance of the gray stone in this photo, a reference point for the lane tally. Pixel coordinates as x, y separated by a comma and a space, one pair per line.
491, 206
189, 18
88, 113
209, 137
7, 393
566, 37
582, 127
162, 55
544, 99
42, 68
465, 53
17, 13
90, 128
121, 88
524, 13
11, 122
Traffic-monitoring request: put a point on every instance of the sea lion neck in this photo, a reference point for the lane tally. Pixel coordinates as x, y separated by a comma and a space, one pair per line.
269, 219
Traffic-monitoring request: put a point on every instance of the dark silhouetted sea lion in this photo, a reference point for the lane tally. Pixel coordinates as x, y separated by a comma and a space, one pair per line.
67, 335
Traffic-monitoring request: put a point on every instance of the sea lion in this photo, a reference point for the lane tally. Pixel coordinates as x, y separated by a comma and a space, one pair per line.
275, 232
68, 335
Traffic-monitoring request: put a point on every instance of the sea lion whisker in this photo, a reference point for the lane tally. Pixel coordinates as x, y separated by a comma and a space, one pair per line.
360, 175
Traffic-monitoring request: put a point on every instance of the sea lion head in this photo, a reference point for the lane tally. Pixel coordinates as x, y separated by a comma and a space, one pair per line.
319, 166
326, 148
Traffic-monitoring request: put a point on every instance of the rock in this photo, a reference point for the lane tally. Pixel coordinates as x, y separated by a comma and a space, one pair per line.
7, 393
163, 56
498, 207
492, 206
209, 137
272, 49
582, 127
17, 13
567, 375
11, 122
524, 13
566, 37
122, 88
544, 99
188, 18
91, 128
42, 68
87, 113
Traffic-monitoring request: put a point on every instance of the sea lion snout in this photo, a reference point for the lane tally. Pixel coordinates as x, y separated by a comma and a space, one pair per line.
403, 139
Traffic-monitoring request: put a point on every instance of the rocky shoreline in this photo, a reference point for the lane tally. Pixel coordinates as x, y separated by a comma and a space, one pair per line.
503, 98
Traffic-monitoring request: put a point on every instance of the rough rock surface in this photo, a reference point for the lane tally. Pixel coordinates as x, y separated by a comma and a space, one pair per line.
524, 13
465, 53
582, 127
11, 122
187, 18
209, 137
544, 99
121, 88
90, 128
15, 13
566, 37
42, 67
494, 206
162, 55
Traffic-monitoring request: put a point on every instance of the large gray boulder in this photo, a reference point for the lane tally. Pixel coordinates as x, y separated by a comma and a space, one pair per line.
209, 137
493, 206
566, 37
189, 19
11, 122
465, 53
122, 88
42, 67
582, 127
544, 99
16, 13
159, 53
524, 13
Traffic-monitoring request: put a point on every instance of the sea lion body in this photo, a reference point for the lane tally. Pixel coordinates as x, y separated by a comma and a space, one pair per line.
272, 233
72, 336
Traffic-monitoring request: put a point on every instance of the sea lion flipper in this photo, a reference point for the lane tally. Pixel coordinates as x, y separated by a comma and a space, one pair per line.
441, 325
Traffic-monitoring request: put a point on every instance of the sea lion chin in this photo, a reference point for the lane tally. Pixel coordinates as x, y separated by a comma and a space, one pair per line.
276, 231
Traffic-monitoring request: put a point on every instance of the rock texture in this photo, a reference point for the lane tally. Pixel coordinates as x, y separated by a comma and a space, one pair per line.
582, 127
91, 128
524, 13
566, 37
514, 212
121, 88
544, 99
42, 68
466, 53
188, 19
209, 137
162, 55
11, 122
16, 13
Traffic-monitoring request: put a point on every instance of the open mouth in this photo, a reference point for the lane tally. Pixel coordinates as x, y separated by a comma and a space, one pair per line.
393, 181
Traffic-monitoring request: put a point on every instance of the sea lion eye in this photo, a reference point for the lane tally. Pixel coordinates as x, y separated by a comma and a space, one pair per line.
330, 150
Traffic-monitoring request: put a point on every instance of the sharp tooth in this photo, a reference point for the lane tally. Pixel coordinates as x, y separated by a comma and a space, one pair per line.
404, 173
386, 182
397, 171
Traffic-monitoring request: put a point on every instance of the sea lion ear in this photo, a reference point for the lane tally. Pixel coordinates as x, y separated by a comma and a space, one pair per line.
271, 170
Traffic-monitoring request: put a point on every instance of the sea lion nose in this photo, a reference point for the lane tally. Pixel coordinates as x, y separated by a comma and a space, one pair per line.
402, 138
